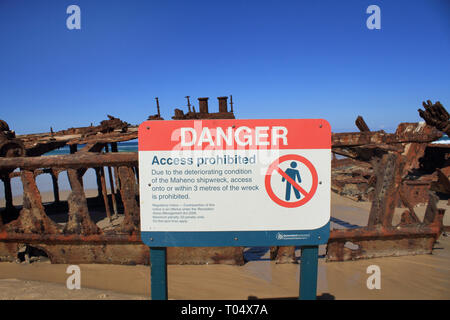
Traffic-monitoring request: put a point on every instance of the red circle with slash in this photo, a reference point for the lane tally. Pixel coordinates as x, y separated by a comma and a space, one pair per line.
274, 167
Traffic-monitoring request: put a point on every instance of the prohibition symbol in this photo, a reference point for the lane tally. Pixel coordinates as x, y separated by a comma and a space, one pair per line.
307, 195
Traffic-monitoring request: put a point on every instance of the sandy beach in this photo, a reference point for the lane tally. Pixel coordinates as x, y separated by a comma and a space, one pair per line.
409, 277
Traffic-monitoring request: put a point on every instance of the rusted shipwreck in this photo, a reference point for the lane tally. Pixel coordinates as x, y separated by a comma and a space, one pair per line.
390, 169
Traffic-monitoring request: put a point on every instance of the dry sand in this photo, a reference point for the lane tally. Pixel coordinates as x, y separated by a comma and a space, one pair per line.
411, 277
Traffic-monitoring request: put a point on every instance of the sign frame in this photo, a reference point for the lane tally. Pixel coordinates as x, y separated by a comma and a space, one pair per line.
309, 241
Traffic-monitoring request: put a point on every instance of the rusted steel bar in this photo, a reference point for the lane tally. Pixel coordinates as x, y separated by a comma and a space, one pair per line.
73, 238
157, 107
388, 172
188, 104
105, 193
431, 211
114, 149
54, 176
136, 172
105, 138
411, 213
349, 139
435, 115
75, 161
131, 222
111, 185
127, 190
382, 232
8, 191
99, 183
369, 242
79, 220
113, 192
94, 146
361, 124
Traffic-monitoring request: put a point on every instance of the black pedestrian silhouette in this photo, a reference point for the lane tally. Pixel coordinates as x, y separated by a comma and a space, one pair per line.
293, 174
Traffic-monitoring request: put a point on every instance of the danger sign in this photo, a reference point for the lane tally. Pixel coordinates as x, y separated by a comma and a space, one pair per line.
235, 182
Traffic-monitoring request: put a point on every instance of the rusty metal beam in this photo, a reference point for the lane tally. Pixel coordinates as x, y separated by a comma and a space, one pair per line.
354, 139
105, 192
54, 176
75, 161
79, 221
8, 191
435, 115
131, 223
361, 124
388, 173
111, 184
432, 210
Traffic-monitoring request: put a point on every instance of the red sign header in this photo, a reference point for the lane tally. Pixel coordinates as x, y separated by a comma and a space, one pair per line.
234, 134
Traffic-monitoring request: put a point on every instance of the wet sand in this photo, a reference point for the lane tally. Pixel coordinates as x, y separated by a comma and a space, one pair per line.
409, 277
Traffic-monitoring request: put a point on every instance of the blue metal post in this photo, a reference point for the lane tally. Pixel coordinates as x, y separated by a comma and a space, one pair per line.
158, 273
308, 273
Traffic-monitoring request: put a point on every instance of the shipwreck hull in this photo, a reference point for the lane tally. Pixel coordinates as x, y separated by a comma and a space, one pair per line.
379, 167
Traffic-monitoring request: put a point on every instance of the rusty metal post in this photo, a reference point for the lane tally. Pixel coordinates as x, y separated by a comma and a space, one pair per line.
73, 148
231, 103
111, 184
105, 192
136, 173
114, 148
99, 182
432, 209
55, 186
388, 172
157, 106
203, 105
361, 124
188, 103
79, 221
131, 209
223, 104
8, 192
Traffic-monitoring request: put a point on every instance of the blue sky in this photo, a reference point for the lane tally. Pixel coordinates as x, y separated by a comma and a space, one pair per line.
279, 59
